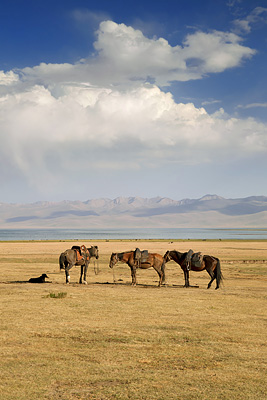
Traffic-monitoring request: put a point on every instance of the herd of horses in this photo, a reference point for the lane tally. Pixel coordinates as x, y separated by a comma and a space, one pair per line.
81, 256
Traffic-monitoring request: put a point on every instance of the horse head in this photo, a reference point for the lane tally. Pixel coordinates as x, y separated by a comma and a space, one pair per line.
113, 260
167, 256
94, 252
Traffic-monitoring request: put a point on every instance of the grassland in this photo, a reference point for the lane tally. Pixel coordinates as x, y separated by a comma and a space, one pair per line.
107, 341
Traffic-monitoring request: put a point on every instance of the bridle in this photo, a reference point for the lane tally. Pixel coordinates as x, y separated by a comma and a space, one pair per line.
167, 257
112, 263
114, 260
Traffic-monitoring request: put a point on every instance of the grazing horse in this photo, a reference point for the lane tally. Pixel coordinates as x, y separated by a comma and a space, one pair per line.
69, 258
153, 260
209, 263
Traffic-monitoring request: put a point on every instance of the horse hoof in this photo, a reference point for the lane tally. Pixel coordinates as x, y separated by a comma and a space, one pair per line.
84, 282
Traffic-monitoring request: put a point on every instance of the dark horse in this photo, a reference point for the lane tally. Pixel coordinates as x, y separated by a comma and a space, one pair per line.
209, 263
153, 260
69, 258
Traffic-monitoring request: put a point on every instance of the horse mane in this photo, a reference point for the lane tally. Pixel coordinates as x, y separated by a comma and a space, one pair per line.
120, 255
176, 252
180, 256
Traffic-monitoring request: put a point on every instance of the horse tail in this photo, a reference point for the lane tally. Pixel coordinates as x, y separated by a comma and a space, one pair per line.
61, 261
218, 273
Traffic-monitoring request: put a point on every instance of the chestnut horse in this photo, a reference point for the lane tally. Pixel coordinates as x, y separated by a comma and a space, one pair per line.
209, 263
153, 260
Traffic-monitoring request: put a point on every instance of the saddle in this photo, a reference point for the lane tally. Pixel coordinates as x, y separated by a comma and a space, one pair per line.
188, 256
81, 253
140, 256
193, 259
196, 260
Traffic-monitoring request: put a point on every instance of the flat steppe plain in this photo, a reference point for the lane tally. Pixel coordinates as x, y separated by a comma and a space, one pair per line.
108, 340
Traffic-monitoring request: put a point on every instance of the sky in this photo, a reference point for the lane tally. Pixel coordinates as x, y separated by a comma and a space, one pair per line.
132, 98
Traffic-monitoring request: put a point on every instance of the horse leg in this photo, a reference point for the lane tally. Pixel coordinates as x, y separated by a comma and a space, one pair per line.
186, 277
67, 269
133, 273
81, 276
67, 272
161, 275
210, 282
212, 275
85, 272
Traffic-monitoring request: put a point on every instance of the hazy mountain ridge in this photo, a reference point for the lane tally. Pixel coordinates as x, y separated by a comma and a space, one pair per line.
211, 210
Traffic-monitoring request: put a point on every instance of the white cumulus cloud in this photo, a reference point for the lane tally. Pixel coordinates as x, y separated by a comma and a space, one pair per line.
57, 120
125, 56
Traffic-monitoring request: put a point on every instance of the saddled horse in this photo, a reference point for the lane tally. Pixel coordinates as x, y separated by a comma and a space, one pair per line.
209, 263
153, 260
69, 258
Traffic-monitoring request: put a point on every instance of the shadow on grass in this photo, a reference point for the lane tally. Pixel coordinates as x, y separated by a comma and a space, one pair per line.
117, 283
144, 285
32, 283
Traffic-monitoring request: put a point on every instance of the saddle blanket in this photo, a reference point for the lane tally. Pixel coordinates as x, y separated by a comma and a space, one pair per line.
80, 250
78, 255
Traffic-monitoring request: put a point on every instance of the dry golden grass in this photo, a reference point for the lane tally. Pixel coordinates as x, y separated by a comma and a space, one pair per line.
107, 341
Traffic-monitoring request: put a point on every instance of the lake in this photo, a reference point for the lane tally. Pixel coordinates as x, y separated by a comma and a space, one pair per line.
142, 233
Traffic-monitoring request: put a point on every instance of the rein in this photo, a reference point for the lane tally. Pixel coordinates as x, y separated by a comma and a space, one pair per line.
96, 267
118, 258
114, 277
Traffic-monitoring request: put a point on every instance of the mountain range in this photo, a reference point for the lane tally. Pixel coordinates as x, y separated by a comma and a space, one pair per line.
210, 211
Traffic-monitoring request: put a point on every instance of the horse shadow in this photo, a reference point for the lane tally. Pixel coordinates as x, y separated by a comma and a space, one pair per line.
116, 283
142, 285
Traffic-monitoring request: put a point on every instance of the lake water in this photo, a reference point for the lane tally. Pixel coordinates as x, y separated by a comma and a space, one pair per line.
142, 233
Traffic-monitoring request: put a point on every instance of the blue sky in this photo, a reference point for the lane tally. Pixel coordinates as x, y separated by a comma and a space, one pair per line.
132, 98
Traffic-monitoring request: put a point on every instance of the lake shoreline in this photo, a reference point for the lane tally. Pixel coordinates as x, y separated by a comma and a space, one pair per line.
104, 234
170, 240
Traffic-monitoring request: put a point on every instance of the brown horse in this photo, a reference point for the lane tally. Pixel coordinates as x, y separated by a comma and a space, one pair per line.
153, 260
69, 258
209, 263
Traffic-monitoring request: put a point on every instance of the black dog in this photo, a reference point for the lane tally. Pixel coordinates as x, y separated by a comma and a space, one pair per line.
40, 279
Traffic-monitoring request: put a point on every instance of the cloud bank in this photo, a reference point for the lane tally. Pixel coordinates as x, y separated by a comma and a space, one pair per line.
109, 111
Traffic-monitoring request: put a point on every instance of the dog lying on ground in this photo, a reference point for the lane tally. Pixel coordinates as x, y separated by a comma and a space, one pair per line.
40, 279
